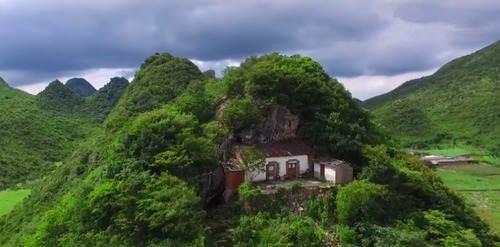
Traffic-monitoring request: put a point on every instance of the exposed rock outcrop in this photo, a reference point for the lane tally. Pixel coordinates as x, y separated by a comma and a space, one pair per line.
279, 124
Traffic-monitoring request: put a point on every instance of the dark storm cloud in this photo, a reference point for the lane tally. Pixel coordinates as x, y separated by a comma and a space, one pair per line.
62, 35
44, 39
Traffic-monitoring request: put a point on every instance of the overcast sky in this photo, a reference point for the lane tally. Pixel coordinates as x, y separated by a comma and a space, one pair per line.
370, 46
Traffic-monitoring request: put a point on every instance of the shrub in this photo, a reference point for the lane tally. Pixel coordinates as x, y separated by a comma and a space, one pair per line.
361, 201
263, 230
248, 192
240, 113
321, 209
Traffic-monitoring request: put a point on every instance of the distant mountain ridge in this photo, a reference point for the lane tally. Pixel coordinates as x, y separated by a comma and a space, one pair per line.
81, 87
57, 96
459, 103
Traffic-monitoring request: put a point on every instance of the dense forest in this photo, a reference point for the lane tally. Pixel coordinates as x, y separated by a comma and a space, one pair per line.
458, 104
135, 180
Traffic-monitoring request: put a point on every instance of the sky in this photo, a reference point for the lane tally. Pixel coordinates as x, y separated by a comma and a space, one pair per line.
369, 46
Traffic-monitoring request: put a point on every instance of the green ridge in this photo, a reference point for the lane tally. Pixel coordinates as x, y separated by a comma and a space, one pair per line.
457, 105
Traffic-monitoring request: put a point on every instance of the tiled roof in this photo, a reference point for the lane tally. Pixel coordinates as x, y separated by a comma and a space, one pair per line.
291, 147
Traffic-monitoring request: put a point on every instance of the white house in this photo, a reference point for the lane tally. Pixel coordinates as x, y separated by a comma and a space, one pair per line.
282, 160
336, 171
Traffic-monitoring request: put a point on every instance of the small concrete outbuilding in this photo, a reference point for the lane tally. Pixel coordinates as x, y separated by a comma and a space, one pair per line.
333, 170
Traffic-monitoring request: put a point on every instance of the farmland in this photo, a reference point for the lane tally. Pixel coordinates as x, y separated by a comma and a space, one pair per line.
480, 186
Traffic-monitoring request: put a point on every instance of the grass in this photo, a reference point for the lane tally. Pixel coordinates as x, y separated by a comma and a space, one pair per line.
454, 151
10, 198
480, 186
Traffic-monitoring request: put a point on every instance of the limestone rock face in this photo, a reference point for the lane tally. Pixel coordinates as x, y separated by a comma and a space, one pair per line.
279, 124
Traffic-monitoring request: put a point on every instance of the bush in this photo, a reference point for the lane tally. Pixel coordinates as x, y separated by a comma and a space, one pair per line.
132, 211
361, 201
321, 209
263, 230
444, 231
248, 192
240, 113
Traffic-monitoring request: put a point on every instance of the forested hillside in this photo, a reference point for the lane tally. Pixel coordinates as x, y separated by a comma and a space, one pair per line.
137, 182
33, 138
459, 104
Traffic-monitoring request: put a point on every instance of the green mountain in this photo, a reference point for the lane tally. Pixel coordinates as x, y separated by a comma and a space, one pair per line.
57, 97
81, 87
140, 182
104, 100
160, 78
459, 104
33, 139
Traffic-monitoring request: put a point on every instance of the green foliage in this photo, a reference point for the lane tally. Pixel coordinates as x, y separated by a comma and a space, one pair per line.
415, 188
263, 230
321, 209
248, 192
33, 139
460, 101
57, 97
443, 231
161, 78
170, 141
360, 201
240, 113
329, 117
139, 208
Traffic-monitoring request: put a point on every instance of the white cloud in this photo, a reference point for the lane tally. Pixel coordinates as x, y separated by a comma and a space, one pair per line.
364, 87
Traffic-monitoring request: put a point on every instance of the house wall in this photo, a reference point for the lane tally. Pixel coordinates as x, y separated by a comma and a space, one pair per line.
232, 182
260, 175
330, 172
344, 174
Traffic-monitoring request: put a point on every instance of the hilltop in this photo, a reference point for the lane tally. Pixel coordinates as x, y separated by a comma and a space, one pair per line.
458, 104
140, 182
58, 97
81, 87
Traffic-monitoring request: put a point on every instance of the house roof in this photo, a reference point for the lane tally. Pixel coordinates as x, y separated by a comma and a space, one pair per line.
331, 162
291, 147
